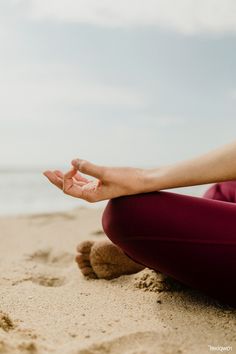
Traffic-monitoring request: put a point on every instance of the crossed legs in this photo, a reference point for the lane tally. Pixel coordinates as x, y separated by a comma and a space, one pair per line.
189, 238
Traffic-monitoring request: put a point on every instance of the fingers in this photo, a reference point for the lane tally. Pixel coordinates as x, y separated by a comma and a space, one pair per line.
57, 178
70, 174
78, 177
71, 186
59, 174
54, 178
68, 180
88, 168
74, 187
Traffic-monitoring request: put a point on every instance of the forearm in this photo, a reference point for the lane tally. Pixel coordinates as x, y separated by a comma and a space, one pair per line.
215, 166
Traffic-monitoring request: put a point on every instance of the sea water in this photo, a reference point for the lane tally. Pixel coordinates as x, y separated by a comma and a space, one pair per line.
30, 193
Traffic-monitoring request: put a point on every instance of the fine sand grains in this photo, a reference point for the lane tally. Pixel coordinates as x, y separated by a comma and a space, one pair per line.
47, 306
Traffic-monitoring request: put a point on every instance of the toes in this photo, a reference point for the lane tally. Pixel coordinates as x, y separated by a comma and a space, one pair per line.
88, 272
85, 266
82, 262
85, 246
82, 257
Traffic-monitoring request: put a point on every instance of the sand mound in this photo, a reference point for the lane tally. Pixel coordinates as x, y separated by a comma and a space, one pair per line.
150, 280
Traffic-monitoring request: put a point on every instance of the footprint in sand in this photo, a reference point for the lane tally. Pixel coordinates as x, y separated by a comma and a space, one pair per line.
48, 281
48, 257
43, 280
17, 346
44, 218
5, 322
149, 342
20, 340
29, 348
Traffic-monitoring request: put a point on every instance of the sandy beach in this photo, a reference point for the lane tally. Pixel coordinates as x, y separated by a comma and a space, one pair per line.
47, 306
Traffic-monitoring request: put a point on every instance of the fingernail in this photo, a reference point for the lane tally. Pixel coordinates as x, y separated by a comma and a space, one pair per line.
75, 162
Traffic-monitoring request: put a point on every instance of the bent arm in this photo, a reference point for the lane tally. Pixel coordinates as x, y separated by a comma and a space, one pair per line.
215, 166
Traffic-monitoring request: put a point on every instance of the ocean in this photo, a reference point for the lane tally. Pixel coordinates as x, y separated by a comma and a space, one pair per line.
30, 193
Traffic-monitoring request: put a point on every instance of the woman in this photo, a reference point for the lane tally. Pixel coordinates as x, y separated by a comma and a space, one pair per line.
189, 238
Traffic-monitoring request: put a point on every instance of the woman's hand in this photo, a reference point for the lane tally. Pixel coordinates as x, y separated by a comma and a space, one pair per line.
215, 166
109, 182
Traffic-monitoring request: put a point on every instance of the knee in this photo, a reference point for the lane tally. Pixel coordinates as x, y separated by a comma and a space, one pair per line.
113, 219
212, 192
127, 216
224, 191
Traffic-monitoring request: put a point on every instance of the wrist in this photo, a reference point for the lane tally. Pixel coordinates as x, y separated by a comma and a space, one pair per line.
155, 178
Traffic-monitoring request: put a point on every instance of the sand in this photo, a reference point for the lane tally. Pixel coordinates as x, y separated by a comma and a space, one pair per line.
47, 306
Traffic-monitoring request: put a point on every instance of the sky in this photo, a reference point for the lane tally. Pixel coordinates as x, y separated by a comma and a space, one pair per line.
124, 83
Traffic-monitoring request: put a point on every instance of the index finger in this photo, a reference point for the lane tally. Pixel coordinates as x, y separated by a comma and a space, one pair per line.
54, 179
70, 174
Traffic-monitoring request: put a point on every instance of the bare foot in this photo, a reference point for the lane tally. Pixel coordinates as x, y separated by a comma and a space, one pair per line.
103, 259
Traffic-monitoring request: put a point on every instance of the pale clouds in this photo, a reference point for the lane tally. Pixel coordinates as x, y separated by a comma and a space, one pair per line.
22, 98
133, 95
26, 89
189, 17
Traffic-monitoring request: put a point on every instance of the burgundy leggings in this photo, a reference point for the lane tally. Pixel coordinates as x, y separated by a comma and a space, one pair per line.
191, 239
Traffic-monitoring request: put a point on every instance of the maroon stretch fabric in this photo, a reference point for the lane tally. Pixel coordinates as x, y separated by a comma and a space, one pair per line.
192, 239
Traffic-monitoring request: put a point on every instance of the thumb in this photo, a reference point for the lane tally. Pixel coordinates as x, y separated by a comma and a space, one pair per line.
88, 168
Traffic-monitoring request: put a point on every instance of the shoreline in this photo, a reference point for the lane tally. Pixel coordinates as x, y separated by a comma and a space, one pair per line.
48, 213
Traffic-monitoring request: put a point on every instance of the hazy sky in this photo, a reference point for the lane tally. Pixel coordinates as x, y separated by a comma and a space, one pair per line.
128, 82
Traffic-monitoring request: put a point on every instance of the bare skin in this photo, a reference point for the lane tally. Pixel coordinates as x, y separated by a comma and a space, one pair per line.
94, 259
103, 259
100, 259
